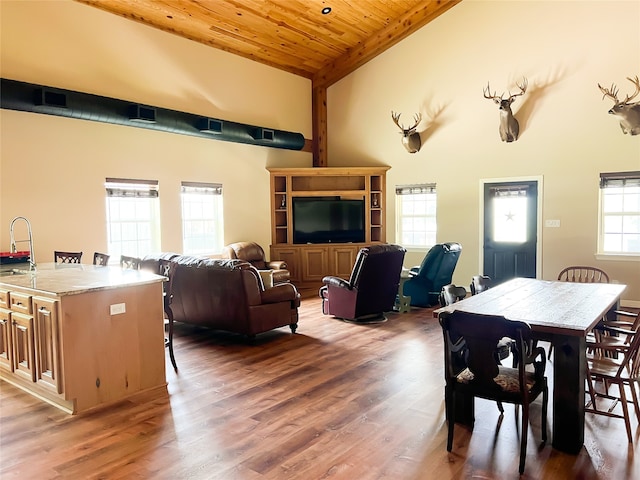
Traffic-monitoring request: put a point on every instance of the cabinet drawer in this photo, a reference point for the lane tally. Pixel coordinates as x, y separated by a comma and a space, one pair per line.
4, 299
20, 303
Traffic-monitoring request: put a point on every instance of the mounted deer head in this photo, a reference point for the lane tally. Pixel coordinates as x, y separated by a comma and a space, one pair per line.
509, 126
629, 113
410, 137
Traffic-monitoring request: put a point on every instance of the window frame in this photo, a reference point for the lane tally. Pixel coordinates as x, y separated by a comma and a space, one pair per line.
212, 191
132, 189
615, 180
416, 189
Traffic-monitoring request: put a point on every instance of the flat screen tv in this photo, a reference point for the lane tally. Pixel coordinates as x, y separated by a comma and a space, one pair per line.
327, 220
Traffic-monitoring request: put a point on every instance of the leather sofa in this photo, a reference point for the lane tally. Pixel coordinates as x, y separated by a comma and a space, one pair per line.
254, 254
224, 295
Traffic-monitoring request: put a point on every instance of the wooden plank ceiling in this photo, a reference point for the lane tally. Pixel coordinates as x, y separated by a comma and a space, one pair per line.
291, 35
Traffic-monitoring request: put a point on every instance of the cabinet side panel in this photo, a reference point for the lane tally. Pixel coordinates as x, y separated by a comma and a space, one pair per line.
110, 357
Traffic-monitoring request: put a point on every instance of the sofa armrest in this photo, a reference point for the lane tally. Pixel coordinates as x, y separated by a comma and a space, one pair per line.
336, 282
284, 292
277, 265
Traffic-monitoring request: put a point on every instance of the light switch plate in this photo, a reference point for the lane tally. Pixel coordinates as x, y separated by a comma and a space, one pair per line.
117, 308
552, 223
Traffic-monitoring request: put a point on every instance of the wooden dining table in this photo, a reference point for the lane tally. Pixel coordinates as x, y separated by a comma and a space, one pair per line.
561, 313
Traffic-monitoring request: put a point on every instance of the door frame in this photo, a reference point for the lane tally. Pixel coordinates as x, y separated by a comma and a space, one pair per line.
539, 179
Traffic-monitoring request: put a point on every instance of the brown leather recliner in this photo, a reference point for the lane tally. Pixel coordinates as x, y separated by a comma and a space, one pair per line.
254, 254
372, 288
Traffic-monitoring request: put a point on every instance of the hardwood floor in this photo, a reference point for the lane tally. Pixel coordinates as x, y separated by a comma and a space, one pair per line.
336, 400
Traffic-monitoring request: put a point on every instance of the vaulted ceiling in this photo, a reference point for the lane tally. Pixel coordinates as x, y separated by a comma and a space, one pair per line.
296, 36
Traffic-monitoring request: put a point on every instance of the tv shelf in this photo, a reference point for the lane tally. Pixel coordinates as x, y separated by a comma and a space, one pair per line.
309, 263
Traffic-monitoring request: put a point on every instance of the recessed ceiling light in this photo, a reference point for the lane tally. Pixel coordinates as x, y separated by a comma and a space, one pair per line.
326, 10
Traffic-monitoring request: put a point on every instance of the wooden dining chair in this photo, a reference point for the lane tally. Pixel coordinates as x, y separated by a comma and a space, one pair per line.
475, 371
451, 294
479, 283
617, 365
67, 257
132, 263
582, 274
101, 259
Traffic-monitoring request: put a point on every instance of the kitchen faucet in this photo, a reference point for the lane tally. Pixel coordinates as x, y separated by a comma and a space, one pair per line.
14, 248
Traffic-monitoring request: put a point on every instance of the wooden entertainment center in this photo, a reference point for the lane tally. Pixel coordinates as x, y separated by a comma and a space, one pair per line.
310, 262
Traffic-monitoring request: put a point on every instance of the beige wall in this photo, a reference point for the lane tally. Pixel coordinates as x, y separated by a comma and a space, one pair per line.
52, 169
564, 49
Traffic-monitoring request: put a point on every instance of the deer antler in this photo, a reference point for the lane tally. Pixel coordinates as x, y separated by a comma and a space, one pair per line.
636, 82
487, 94
612, 92
396, 119
523, 88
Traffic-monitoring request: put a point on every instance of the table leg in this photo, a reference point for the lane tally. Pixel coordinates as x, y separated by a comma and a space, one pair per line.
569, 373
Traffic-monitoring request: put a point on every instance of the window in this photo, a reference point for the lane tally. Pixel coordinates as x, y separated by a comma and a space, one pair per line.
509, 213
202, 223
416, 215
619, 213
133, 217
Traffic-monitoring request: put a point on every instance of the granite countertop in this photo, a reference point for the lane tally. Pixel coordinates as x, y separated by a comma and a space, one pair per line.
72, 279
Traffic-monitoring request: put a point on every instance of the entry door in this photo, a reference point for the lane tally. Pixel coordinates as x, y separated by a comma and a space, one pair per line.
510, 230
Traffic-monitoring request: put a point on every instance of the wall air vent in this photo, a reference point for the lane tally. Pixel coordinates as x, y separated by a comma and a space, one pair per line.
49, 98
209, 125
140, 113
260, 133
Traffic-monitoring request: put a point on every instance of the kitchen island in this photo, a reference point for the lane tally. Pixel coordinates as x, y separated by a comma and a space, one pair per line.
82, 336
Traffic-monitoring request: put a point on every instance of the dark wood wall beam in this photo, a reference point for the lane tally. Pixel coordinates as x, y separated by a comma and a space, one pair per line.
401, 28
319, 126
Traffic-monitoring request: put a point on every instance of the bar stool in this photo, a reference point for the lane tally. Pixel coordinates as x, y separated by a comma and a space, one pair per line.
66, 257
100, 259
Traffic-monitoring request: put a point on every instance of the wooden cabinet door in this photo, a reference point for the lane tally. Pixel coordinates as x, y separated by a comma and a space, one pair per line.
342, 259
23, 346
47, 343
6, 351
291, 255
315, 263
4, 299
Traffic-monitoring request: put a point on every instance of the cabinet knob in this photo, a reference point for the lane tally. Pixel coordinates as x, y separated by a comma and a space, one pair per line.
98, 382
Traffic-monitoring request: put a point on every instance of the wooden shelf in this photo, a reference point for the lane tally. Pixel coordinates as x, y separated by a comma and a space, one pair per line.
310, 263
